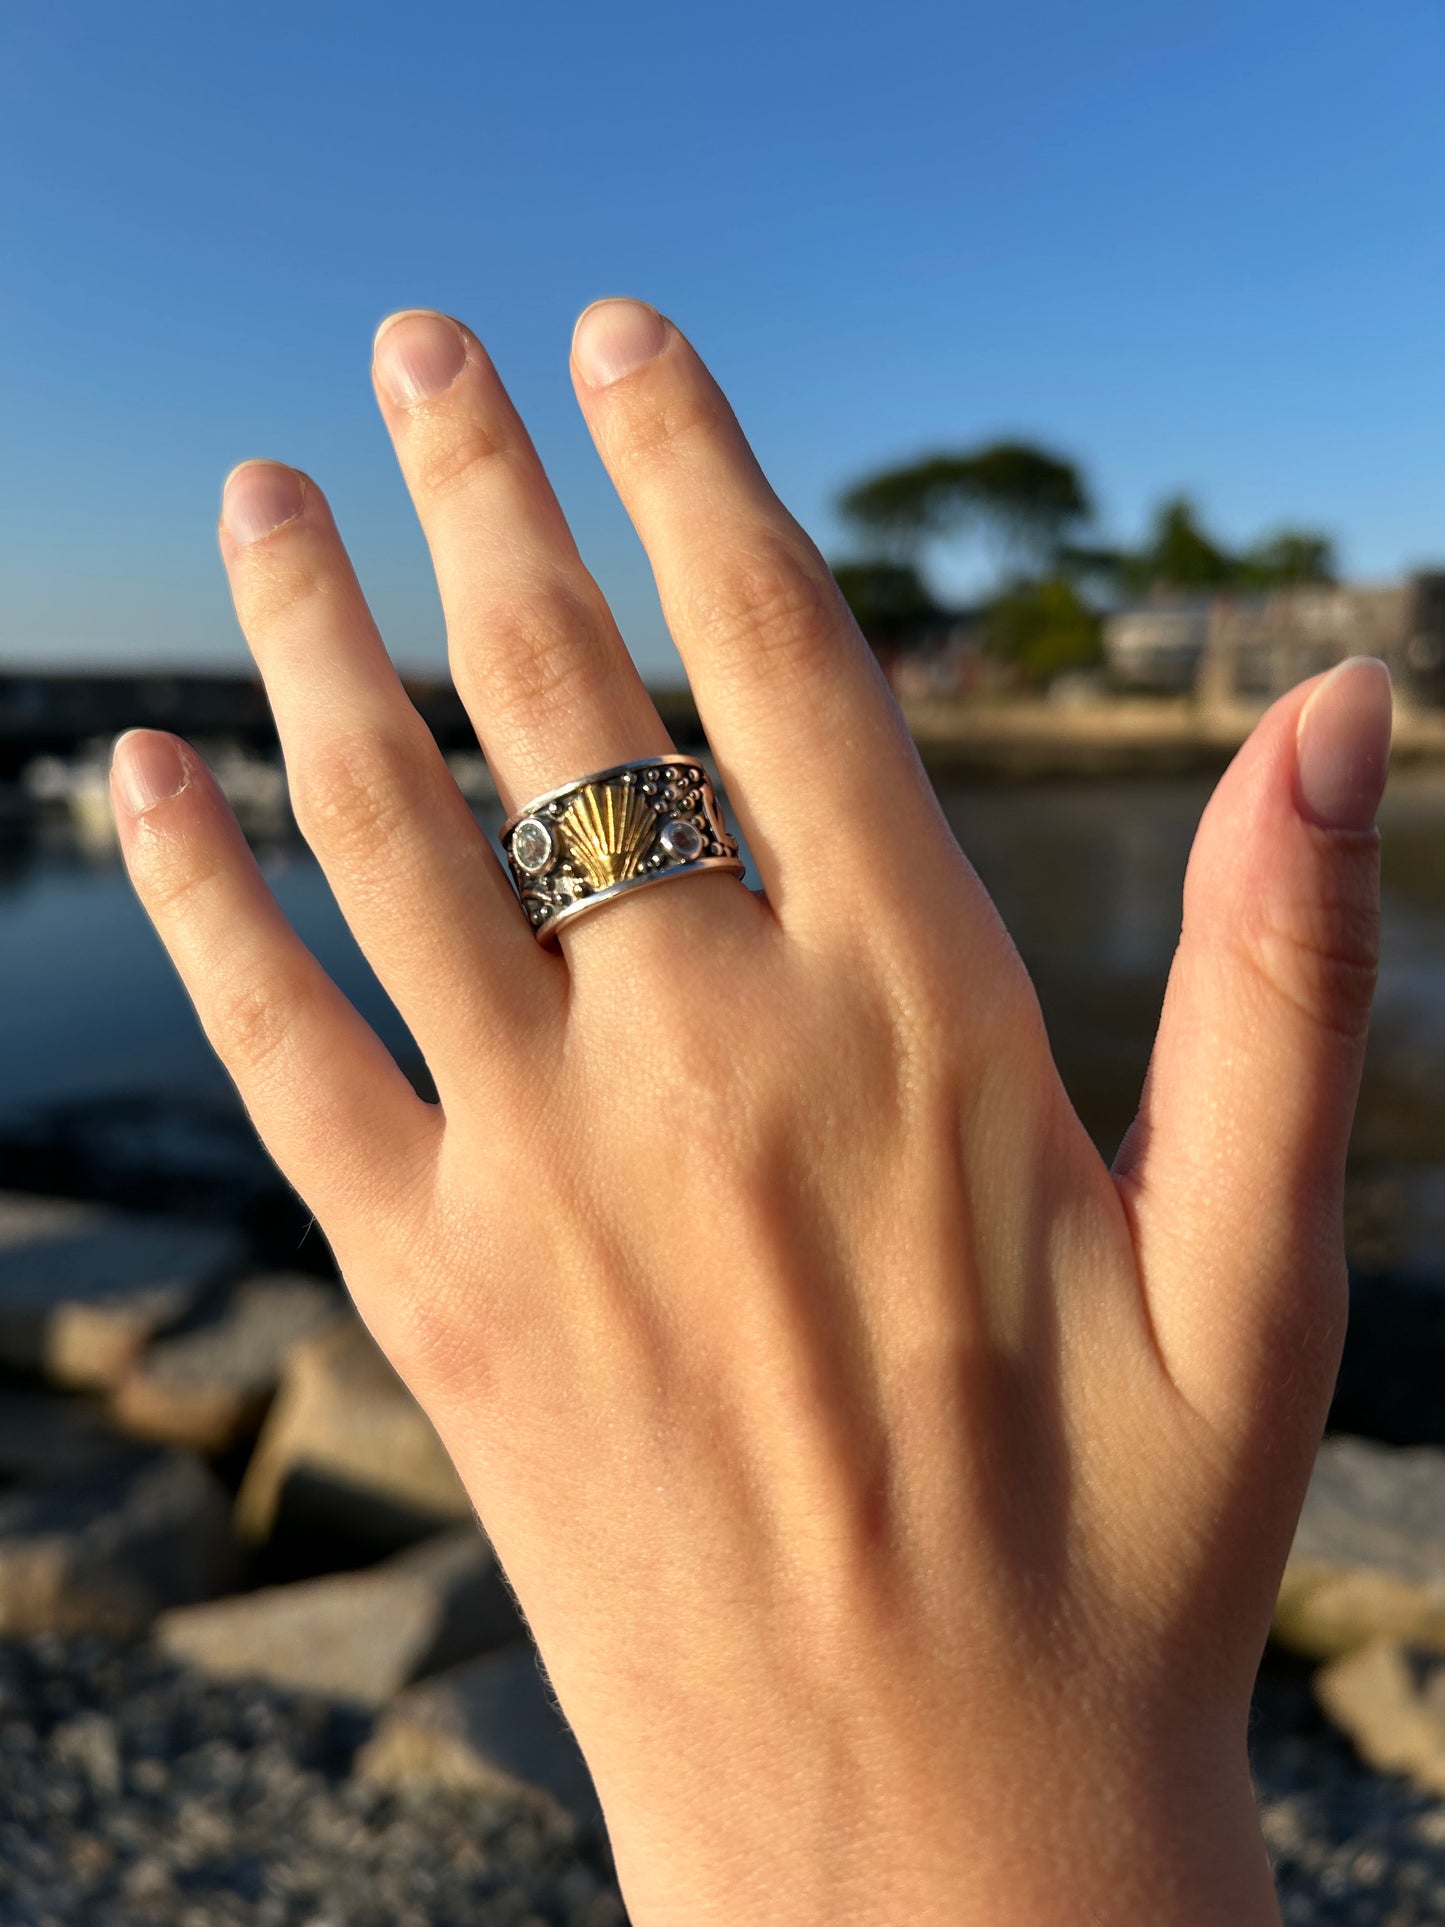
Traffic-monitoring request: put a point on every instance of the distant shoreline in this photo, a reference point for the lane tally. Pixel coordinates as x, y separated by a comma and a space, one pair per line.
1120, 737
1013, 738
1023, 738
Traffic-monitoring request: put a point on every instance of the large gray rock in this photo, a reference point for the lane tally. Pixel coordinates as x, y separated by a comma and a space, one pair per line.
347, 1446
83, 1290
1390, 1699
1369, 1555
355, 1636
490, 1726
209, 1385
104, 1550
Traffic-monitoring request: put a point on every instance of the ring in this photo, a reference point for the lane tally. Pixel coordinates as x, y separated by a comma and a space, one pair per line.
619, 829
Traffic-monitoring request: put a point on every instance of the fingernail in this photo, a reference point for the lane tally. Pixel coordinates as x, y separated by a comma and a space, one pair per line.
418, 355
149, 767
612, 338
1342, 743
259, 497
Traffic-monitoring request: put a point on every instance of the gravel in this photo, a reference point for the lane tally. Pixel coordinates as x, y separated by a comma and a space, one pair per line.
1351, 1848
134, 1794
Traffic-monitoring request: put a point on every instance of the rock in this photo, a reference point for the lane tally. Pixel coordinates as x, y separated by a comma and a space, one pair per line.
82, 1290
1369, 1555
42, 1436
487, 1727
104, 1550
1390, 1699
345, 1446
354, 1636
209, 1385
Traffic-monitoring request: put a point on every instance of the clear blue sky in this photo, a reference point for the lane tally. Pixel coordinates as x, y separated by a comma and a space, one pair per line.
1197, 247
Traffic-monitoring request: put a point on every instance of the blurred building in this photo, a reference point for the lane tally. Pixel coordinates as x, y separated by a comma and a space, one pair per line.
1261, 645
1159, 646
941, 657
1229, 647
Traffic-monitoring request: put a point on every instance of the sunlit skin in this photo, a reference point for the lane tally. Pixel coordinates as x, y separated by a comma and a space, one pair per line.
897, 1494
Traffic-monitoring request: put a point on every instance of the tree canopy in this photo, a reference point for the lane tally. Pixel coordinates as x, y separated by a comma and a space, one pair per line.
1291, 557
1022, 497
889, 599
1031, 506
1044, 628
1179, 554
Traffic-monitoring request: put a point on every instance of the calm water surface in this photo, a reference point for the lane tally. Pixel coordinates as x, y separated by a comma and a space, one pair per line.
1087, 876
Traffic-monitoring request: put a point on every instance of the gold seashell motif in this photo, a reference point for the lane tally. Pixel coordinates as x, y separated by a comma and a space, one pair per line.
607, 830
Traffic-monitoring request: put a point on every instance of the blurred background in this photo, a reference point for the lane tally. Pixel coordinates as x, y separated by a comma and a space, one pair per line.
1099, 350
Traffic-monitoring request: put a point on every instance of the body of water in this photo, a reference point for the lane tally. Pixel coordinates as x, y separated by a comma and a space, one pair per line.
1087, 875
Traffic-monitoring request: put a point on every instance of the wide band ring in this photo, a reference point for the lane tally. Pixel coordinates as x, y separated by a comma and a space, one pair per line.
619, 829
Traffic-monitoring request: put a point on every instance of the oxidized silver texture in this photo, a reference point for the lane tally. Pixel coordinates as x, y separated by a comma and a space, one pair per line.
619, 829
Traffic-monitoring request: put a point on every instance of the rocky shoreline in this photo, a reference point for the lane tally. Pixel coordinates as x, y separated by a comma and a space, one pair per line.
135, 1790
258, 1664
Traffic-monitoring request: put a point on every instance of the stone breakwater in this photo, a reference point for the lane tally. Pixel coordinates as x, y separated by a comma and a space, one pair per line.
257, 1660
258, 1663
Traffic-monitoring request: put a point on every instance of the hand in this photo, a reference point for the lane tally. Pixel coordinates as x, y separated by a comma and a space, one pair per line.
897, 1496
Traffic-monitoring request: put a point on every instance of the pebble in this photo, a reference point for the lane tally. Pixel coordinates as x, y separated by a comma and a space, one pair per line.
1350, 1848
133, 1792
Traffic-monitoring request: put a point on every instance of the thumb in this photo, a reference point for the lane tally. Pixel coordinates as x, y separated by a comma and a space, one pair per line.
1233, 1172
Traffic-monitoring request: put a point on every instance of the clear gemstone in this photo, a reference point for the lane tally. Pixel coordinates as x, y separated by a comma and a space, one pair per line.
681, 839
532, 845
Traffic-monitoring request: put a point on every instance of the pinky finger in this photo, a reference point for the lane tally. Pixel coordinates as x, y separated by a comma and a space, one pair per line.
324, 1093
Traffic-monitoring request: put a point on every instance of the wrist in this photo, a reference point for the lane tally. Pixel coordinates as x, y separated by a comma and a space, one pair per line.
1090, 1852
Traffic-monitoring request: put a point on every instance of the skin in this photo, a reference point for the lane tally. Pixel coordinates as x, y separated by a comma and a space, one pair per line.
897, 1494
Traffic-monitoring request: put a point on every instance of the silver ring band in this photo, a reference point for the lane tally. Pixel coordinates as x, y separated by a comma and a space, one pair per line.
618, 829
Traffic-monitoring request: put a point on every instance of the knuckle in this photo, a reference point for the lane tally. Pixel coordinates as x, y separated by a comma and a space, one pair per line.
253, 1022
280, 575
770, 612
1322, 958
355, 795
549, 646
452, 454
661, 428
172, 878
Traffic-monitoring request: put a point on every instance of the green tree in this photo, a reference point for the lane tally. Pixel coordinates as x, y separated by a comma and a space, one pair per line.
903, 508
1179, 554
889, 599
1044, 628
1024, 499
1030, 505
1030, 497
1289, 559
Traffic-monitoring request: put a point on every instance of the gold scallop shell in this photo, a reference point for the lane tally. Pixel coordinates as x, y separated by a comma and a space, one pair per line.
607, 829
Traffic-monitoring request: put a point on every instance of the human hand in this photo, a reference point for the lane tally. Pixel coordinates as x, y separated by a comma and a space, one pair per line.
897, 1495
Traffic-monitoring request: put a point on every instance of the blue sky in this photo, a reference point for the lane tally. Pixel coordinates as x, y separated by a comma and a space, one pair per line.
1194, 247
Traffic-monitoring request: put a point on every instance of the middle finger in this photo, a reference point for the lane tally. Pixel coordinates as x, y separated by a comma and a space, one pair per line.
536, 656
